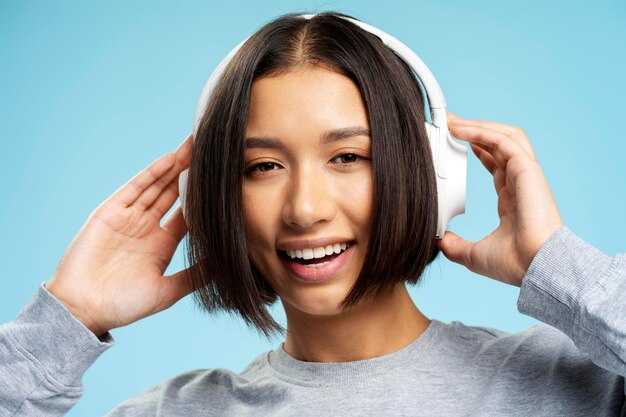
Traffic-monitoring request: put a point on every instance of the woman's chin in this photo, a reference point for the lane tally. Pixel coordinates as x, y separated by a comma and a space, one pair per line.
318, 305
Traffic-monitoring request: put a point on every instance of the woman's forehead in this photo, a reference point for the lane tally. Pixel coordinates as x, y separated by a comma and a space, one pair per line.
312, 98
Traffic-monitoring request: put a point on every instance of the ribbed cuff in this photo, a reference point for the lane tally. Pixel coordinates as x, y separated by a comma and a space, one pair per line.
560, 276
51, 337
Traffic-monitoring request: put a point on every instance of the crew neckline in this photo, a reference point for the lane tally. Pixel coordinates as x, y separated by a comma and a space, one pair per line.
330, 373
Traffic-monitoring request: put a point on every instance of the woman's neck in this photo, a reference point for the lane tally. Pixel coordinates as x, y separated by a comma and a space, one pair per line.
374, 328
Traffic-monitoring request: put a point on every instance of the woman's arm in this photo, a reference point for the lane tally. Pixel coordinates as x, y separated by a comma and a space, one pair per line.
579, 290
564, 281
44, 353
111, 275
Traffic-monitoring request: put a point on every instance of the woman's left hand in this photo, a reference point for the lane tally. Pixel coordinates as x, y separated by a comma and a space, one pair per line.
527, 209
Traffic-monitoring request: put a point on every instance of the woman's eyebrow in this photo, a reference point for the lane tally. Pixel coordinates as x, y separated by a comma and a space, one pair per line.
328, 136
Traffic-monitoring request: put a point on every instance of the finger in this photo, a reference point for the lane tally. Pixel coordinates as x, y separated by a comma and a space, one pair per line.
128, 193
165, 200
516, 133
499, 179
456, 249
154, 192
485, 154
175, 224
132, 189
484, 157
501, 147
185, 146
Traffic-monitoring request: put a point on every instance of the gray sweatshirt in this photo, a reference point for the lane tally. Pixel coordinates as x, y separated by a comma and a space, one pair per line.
574, 365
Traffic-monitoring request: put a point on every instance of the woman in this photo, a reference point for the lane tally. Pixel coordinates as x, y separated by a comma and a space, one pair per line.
315, 124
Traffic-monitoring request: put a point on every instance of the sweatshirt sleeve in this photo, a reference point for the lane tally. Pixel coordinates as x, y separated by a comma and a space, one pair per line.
44, 353
579, 290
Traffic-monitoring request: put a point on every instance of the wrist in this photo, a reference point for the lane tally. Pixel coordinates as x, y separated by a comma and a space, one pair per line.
77, 313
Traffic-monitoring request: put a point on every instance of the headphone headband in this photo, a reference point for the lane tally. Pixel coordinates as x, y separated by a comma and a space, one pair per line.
449, 157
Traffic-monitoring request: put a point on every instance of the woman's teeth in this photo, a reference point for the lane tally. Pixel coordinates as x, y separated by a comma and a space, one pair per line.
318, 265
310, 253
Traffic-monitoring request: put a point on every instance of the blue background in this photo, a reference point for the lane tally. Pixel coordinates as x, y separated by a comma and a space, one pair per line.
91, 93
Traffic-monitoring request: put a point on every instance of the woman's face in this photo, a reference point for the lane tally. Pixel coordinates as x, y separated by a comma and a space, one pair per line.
308, 186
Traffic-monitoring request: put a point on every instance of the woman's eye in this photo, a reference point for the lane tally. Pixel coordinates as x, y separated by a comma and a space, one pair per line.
345, 159
261, 167
348, 159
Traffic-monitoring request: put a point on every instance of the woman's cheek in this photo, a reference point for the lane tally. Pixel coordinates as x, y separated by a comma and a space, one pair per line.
356, 193
259, 219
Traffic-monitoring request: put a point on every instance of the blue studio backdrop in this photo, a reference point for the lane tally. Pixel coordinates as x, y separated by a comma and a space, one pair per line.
92, 92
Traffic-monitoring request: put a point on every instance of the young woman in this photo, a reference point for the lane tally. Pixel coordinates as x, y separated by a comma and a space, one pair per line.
311, 182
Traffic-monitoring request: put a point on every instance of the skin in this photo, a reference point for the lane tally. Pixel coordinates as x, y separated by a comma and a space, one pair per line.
111, 275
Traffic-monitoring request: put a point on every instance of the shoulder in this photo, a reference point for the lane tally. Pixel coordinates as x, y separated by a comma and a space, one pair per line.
536, 335
481, 342
539, 353
189, 392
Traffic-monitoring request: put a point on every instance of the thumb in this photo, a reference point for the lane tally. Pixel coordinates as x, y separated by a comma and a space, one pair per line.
455, 248
175, 287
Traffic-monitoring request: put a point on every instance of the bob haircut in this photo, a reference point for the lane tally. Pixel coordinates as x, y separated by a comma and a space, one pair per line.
402, 242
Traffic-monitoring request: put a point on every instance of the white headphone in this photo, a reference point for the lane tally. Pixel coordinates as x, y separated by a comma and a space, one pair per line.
449, 157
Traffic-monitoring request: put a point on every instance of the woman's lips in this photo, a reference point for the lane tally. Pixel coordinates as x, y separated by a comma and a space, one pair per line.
318, 273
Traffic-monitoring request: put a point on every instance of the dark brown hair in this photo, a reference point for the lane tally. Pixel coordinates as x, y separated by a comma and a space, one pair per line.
404, 215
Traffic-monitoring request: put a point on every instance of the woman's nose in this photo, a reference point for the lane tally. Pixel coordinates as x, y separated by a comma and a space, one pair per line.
309, 200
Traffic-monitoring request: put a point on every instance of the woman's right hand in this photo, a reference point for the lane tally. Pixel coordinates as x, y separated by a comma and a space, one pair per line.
111, 274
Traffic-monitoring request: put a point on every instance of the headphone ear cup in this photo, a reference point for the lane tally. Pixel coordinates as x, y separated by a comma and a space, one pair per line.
433, 131
451, 181
450, 163
456, 175
182, 191
433, 138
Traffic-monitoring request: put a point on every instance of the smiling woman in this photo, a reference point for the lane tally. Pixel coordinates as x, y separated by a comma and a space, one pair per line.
311, 180
313, 137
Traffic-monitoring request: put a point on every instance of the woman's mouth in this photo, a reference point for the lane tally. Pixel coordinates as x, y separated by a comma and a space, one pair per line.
317, 264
